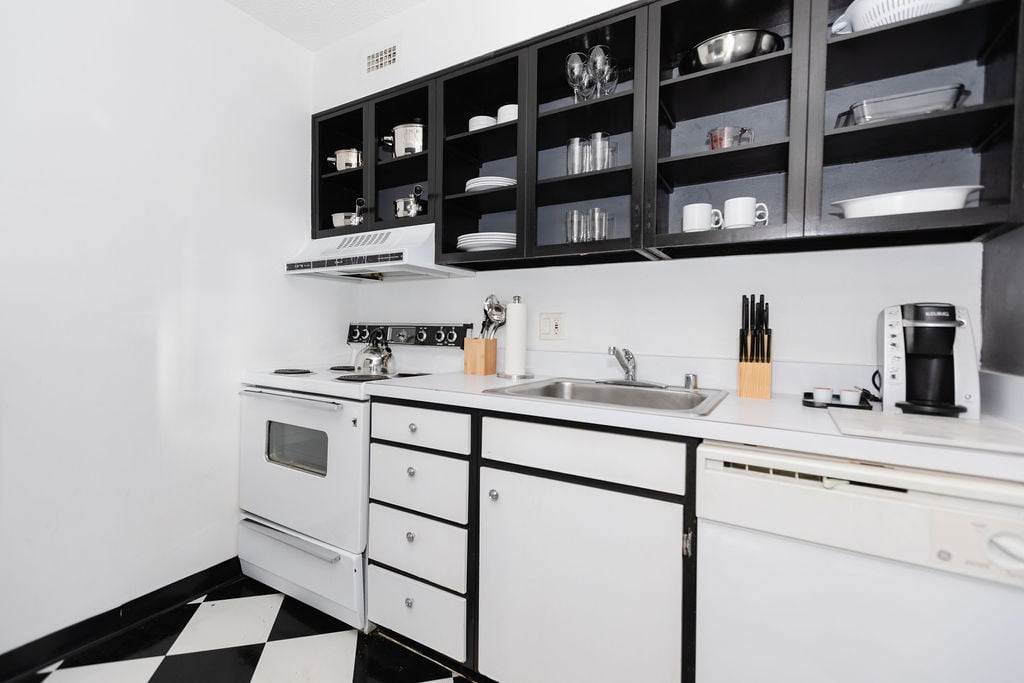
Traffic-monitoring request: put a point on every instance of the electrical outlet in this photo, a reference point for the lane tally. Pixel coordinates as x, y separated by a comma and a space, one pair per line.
552, 326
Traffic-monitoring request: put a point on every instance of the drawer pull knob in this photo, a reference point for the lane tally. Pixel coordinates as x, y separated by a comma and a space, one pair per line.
408, 603
411, 471
493, 494
413, 427
410, 536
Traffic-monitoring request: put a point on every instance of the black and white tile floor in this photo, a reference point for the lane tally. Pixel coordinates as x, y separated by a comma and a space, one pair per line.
244, 632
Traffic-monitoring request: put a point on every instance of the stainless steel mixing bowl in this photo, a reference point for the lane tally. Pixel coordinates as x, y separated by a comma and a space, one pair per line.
732, 46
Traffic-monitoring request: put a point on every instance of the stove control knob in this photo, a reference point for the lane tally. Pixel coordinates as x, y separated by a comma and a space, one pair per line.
452, 336
421, 336
364, 334
353, 334
439, 336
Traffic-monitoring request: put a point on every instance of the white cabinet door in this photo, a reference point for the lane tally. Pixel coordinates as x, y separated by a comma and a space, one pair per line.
577, 583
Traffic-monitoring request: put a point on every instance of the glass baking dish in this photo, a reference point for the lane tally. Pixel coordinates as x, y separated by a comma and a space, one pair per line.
925, 101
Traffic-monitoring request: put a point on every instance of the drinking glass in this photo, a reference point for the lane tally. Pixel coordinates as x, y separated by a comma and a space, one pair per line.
577, 226
601, 152
608, 79
576, 73
575, 156
598, 220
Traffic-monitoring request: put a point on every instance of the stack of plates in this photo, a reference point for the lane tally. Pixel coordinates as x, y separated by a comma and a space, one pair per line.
488, 182
487, 241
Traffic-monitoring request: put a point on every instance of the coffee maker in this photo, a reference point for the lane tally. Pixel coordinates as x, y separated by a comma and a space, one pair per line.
929, 365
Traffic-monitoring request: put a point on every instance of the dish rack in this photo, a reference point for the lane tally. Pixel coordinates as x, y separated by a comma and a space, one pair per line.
865, 14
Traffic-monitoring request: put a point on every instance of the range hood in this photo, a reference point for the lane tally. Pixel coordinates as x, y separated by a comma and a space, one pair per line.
405, 253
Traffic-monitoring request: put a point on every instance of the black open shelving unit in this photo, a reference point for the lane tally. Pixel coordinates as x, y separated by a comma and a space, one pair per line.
799, 162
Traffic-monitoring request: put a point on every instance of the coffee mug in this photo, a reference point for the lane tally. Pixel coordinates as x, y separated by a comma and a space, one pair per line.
744, 212
697, 217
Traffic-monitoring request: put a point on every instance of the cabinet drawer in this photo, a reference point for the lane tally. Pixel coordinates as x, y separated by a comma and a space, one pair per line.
632, 460
426, 614
433, 550
433, 484
437, 429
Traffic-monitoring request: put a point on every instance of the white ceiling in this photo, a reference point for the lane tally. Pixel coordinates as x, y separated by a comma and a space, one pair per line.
316, 23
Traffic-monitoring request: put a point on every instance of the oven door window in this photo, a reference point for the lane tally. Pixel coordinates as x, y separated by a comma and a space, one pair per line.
300, 448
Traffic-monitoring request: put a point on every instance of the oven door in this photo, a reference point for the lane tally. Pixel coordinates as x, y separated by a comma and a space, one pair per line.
304, 464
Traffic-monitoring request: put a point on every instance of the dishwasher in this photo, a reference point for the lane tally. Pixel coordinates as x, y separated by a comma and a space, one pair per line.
823, 570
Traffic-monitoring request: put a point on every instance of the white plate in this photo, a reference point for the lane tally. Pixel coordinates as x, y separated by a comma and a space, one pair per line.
478, 122
486, 241
491, 179
487, 247
911, 201
489, 236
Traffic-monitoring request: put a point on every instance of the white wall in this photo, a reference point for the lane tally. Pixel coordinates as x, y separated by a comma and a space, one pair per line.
155, 176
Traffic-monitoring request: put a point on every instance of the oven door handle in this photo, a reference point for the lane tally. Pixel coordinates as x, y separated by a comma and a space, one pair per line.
304, 401
295, 542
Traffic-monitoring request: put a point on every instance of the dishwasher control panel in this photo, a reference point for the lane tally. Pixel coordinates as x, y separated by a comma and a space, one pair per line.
987, 547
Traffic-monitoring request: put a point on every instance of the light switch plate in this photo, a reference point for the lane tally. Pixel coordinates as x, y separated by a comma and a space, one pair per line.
552, 326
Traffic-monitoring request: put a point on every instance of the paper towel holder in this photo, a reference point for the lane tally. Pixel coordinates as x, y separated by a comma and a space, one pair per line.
524, 375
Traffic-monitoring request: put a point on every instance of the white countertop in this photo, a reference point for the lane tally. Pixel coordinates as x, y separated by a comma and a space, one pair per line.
782, 422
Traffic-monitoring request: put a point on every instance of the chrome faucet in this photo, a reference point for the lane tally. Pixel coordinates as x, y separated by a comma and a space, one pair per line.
626, 360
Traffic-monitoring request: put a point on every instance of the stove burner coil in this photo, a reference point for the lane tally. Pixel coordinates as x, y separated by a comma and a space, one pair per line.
292, 371
343, 368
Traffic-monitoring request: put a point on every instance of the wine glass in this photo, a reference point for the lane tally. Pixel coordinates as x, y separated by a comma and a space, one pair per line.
608, 78
599, 63
576, 73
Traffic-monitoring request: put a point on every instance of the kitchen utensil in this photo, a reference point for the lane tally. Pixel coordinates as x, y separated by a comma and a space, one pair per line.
744, 212
729, 136
376, 357
577, 226
405, 138
478, 122
350, 218
865, 14
575, 151
495, 311
346, 158
730, 47
577, 73
924, 101
409, 206
699, 217
485, 326
909, 201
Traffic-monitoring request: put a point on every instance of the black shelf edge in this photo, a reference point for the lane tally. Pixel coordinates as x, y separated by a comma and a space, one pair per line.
610, 182
941, 38
985, 215
490, 256
721, 236
494, 142
484, 201
404, 170
611, 245
722, 164
611, 114
751, 82
348, 172
742, 64
952, 129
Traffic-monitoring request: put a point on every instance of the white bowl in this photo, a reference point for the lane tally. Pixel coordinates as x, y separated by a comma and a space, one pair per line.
478, 122
911, 201
508, 112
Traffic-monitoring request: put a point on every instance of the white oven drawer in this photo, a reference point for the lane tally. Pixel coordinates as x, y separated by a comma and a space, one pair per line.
305, 564
437, 429
620, 458
423, 613
433, 484
432, 550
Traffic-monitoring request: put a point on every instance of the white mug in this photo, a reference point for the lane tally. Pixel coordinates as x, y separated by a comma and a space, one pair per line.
697, 217
744, 212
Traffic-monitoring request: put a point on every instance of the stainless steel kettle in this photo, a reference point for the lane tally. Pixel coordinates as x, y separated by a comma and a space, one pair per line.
376, 358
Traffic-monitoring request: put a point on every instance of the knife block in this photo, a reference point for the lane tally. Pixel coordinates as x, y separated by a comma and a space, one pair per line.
480, 357
755, 380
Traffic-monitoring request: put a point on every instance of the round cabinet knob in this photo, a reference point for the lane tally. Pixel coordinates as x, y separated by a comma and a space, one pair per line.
492, 494
408, 603
413, 427
410, 536
452, 335
411, 471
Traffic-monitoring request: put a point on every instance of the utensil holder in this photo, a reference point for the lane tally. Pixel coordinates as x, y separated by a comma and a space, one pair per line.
480, 357
755, 380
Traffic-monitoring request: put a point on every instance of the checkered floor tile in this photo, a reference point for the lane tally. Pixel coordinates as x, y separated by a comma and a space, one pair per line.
246, 633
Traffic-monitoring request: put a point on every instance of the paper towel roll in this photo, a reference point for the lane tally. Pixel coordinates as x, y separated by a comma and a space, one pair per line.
515, 337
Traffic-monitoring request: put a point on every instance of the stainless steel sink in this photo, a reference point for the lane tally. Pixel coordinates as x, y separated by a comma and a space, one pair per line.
673, 399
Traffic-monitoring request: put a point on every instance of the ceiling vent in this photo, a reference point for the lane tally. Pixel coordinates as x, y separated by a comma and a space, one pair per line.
375, 61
